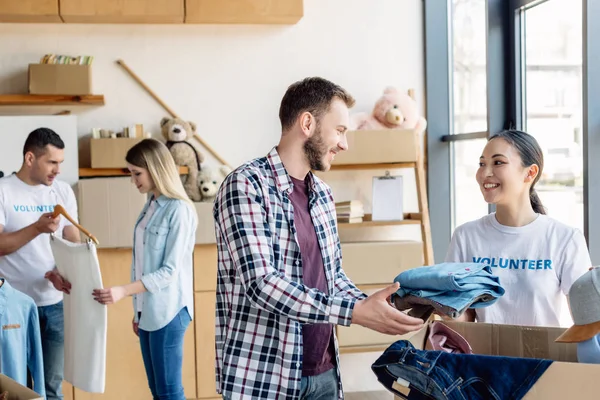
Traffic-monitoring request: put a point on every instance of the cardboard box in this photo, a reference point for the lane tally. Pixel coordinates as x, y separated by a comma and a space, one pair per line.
205, 268
205, 234
109, 208
60, 79
16, 391
380, 262
110, 153
379, 146
564, 379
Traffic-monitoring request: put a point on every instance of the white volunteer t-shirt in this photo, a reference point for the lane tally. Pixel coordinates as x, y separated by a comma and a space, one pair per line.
536, 263
21, 205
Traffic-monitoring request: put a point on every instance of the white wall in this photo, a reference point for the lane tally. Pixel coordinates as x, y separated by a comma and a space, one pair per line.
230, 79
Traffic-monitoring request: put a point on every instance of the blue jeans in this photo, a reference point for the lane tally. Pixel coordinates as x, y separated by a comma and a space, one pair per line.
440, 375
52, 330
320, 387
162, 351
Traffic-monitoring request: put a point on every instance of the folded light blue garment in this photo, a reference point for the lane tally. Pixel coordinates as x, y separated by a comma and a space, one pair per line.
588, 352
450, 287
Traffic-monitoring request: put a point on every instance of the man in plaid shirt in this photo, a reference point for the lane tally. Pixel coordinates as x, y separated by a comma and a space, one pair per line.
280, 284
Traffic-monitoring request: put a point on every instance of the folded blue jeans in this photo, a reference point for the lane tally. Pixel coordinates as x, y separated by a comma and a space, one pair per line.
450, 287
432, 374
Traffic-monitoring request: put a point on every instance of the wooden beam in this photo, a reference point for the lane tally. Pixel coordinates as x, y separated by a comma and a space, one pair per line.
106, 172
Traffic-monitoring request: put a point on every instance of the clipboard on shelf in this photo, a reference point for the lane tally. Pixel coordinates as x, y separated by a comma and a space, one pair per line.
387, 198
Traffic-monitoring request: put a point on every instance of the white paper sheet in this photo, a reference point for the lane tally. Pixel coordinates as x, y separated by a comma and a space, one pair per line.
387, 198
85, 318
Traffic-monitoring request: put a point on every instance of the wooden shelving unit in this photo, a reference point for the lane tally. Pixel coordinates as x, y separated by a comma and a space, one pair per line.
380, 246
108, 172
412, 151
29, 104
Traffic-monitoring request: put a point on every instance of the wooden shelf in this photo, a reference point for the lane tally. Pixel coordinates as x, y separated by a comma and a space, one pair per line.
373, 166
106, 172
50, 100
18, 11
153, 11
123, 12
244, 11
409, 219
38, 104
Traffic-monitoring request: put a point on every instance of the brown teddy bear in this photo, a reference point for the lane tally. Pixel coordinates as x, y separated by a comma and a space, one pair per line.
177, 132
393, 110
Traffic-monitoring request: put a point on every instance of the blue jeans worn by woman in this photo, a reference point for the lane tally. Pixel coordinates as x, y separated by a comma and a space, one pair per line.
162, 351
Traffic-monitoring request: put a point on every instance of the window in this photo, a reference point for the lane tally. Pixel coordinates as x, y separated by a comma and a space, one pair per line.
551, 35
469, 106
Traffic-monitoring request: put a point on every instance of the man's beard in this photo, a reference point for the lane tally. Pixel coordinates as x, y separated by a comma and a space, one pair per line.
315, 151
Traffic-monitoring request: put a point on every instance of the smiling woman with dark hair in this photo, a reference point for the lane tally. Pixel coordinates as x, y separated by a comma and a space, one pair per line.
536, 257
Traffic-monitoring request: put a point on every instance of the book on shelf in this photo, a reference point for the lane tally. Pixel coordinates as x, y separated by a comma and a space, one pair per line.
350, 211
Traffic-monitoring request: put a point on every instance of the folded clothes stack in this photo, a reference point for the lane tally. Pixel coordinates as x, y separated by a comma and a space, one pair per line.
448, 289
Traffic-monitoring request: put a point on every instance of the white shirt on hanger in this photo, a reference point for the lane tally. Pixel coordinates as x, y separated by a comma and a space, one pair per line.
85, 318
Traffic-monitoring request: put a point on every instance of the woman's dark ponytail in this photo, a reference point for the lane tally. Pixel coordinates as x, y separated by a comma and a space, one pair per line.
531, 153
536, 203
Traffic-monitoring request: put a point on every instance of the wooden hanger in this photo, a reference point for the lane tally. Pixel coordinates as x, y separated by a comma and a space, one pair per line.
59, 210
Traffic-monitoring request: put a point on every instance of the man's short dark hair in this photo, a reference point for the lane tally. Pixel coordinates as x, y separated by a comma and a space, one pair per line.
40, 138
312, 94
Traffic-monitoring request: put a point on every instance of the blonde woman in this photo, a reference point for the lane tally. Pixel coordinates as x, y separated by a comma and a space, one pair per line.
161, 270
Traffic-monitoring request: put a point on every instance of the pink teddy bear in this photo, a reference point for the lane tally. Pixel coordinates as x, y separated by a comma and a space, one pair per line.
393, 110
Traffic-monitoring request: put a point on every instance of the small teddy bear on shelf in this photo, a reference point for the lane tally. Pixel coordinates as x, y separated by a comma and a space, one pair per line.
209, 182
393, 110
178, 132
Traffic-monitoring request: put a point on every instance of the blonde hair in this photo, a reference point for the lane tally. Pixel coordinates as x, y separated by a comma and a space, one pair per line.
154, 156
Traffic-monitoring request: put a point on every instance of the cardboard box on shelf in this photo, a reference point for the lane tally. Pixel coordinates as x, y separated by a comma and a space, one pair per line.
110, 153
380, 262
60, 79
379, 147
205, 234
16, 390
108, 208
564, 379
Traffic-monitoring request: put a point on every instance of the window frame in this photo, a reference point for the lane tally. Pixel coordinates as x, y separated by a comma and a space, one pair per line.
505, 72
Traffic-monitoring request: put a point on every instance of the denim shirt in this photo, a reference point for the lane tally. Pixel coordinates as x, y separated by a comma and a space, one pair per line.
167, 273
20, 340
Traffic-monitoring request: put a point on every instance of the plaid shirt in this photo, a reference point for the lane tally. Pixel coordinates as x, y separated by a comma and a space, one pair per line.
261, 302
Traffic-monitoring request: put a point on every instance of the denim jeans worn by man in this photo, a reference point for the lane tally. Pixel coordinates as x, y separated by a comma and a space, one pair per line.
280, 285
27, 200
